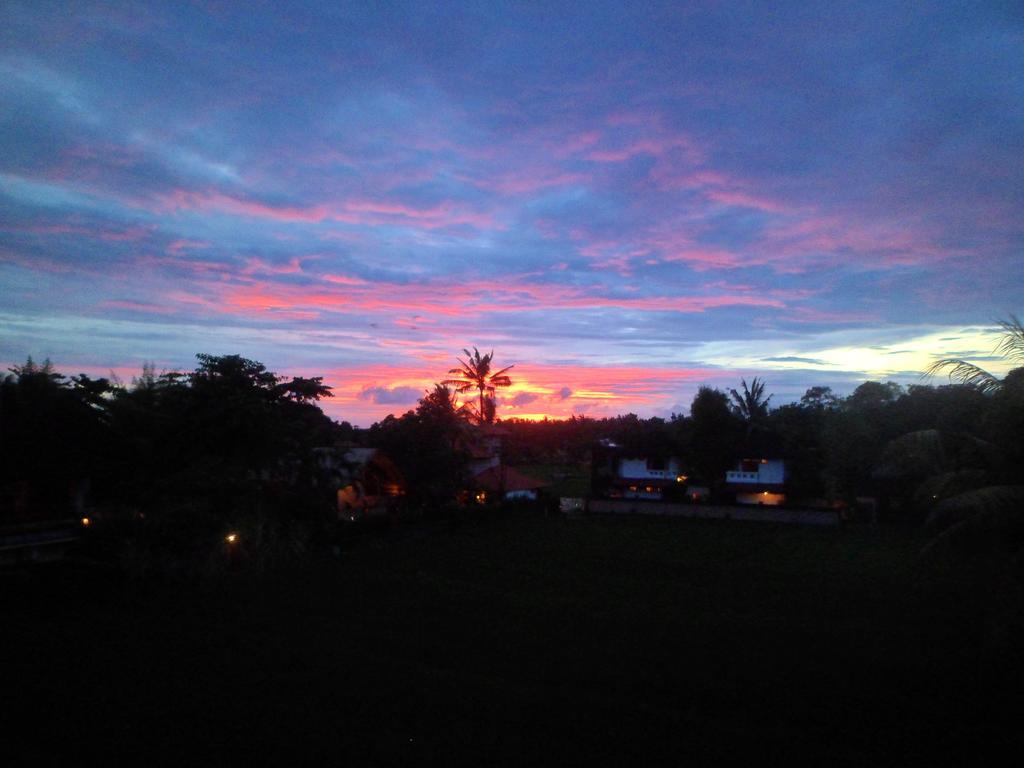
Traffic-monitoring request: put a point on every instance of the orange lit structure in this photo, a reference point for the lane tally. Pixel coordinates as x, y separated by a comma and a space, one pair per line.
366, 482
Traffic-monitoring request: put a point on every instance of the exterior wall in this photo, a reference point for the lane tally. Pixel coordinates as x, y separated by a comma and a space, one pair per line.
769, 472
529, 495
637, 469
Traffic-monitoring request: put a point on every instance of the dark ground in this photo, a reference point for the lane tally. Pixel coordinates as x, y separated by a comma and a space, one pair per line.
516, 642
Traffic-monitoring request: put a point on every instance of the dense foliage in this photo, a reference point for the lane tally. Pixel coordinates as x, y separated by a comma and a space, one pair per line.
179, 458
427, 446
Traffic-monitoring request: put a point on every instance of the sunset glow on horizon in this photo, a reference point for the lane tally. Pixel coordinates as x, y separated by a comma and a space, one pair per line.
623, 202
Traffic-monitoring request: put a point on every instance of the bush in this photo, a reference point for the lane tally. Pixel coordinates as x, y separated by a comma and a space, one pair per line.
190, 541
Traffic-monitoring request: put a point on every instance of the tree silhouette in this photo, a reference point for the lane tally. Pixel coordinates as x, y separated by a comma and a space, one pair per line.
475, 374
439, 403
819, 399
426, 445
1011, 347
53, 437
716, 432
752, 405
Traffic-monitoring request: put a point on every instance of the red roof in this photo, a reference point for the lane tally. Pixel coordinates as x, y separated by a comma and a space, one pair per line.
506, 479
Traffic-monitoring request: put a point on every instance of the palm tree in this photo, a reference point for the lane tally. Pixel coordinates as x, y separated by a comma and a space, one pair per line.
977, 506
752, 405
1011, 347
475, 373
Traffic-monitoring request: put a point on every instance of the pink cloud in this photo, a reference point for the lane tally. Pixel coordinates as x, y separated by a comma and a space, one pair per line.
342, 279
528, 181
178, 246
364, 212
578, 142
256, 266
706, 258
131, 234
181, 199
716, 186
432, 217
34, 263
654, 147
795, 245
465, 299
138, 306
196, 266
668, 177
634, 117
745, 200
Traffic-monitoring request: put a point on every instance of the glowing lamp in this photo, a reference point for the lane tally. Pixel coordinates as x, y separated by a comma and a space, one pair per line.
86, 522
231, 538
681, 478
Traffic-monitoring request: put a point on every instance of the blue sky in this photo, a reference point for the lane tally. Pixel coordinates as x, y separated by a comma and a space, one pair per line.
623, 200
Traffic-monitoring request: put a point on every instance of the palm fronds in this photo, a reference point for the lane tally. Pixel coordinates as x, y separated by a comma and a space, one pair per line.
1011, 346
944, 485
966, 373
991, 516
751, 405
979, 501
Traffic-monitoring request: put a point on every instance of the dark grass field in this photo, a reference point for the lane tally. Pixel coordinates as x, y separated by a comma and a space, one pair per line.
516, 642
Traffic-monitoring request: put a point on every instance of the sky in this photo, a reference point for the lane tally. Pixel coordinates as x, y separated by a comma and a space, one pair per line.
625, 201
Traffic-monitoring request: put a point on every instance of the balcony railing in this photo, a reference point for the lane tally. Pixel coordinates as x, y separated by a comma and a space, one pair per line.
647, 474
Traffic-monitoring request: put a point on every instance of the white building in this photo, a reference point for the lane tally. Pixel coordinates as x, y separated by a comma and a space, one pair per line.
646, 478
758, 481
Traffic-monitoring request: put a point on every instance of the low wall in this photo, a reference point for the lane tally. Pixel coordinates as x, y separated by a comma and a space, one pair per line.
37, 541
714, 512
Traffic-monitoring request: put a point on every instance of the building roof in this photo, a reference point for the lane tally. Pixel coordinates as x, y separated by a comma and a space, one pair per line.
506, 479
